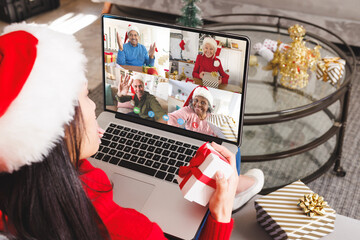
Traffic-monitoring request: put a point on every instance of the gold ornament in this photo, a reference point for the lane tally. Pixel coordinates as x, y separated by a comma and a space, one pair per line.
182, 76
312, 204
294, 62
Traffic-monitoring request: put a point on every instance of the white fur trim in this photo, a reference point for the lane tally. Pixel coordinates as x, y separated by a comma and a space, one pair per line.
216, 63
210, 41
133, 28
35, 120
203, 92
139, 76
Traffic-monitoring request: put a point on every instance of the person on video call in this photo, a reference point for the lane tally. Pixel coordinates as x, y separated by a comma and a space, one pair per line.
147, 104
48, 189
208, 62
134, 53
196, 110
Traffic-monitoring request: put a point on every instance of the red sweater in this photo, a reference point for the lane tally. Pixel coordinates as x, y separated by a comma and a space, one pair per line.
205, 64
125, 223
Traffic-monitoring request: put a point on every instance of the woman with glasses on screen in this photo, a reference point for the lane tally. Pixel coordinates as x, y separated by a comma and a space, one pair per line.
193, 115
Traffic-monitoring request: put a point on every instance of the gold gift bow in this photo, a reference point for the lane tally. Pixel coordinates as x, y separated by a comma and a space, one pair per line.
312, 204
327, 62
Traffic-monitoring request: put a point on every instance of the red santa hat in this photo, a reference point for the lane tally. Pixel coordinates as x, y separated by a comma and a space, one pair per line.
137, 76
212, 42
131, 28
41, 75
200, 91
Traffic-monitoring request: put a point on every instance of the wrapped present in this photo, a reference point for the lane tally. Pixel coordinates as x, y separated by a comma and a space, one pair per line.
330, 70
197, 180
189, 80
295, 212
109, 57
273, 45
211, 79
264, 52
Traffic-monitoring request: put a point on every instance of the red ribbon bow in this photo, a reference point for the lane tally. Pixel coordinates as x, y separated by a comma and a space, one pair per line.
186, 172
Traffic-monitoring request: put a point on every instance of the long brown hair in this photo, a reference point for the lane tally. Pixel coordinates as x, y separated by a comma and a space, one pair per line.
46, 200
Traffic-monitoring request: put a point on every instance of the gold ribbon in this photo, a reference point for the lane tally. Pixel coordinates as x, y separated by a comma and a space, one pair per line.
312, 204
327, 62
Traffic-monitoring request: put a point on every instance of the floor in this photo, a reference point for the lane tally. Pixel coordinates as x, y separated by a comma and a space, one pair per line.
81, 17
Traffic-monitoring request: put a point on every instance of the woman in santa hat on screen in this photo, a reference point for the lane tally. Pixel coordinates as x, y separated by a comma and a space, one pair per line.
192, 116
208, 62
196, 110
134, 53
48, 190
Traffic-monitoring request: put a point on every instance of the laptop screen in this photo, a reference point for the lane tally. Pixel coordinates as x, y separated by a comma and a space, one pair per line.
188, 80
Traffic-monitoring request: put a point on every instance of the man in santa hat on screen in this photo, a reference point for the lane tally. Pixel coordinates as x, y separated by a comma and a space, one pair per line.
145, 104
134, 53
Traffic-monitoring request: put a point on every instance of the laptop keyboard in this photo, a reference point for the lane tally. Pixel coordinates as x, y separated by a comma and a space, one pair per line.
144, 152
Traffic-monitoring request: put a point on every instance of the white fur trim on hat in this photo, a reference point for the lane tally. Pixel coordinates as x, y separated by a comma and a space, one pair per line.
203, 92
34, 122
139, 76
210, 41
133, 28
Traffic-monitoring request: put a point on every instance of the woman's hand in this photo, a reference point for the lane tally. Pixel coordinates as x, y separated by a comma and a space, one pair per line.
220, 80
152, 50
222, 200
124, 85
119, 41
201, 75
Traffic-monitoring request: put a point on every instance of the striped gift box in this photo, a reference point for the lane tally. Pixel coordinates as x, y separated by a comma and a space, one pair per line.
281, 218
330, 70
226, 124
211, 79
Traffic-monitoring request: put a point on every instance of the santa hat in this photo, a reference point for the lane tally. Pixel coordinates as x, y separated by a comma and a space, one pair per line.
211, 41
137, 76
131, 28
200, 91
41, 75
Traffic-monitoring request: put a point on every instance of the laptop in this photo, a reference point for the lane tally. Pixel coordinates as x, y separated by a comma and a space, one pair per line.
145, 143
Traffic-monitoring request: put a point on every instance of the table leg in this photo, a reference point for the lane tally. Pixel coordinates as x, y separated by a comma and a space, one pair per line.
339, 171
275, 82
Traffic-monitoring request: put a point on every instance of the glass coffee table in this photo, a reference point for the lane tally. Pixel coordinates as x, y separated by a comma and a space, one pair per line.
291, 134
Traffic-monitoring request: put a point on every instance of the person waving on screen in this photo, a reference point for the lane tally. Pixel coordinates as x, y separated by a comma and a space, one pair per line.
134, 53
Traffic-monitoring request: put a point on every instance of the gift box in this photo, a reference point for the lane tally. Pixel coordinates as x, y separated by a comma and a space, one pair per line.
264, 51
273, 45
189, 80
211, 79
282, 217
197, 180
330, 70
109, 57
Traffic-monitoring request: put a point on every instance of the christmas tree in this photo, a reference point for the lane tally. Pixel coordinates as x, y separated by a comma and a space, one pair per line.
190, 14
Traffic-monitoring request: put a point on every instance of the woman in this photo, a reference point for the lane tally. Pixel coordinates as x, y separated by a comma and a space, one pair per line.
43, 178
41, 196
194, 113
208, 62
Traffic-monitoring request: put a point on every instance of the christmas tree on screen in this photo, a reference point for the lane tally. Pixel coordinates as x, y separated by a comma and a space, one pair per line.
190, 14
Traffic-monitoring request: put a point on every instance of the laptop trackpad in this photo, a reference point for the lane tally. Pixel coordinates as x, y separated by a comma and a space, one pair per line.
130, 192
